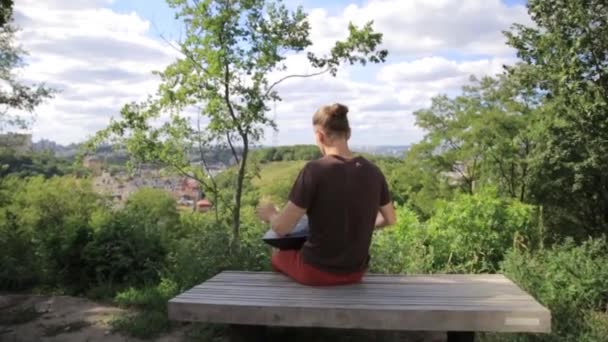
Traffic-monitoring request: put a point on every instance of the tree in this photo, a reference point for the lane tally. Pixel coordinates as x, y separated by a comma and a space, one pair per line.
6, 10
14, 95
483, 136
231, 48
567, 63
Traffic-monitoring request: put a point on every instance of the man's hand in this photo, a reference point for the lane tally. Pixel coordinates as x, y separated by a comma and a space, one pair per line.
266, 212
386, 216
281, 222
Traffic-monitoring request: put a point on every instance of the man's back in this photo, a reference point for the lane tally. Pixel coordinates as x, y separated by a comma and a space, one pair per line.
342, 197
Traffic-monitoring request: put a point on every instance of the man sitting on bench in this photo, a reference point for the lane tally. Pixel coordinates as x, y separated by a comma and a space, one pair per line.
344, 196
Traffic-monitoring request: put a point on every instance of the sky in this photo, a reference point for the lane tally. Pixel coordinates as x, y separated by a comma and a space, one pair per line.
100, 54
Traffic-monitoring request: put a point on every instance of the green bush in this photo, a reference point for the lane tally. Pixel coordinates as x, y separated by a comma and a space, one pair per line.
157, 211
253, 254
148, 298
18, 263
572, 281
124, 251
202, 253
205, 250
54, 216
401, 249
471, 233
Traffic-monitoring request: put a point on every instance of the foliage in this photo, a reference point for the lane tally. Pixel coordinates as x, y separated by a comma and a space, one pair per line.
125, 250
401, 249
15, 95
481, 137
468, 234
566, 57
287, 153
55, 215
18, 265
572, 281
156, 211
415, 181
199, 255
35, 164
471, 233
6, 11
148, 298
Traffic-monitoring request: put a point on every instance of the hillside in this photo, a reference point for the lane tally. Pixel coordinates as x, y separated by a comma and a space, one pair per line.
276, 178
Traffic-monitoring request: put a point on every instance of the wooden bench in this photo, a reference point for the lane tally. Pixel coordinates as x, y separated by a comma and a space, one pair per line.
458, 304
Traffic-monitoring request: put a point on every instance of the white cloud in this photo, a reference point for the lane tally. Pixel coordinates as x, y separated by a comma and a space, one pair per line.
381, 109
102, 59
99, 60
425, 27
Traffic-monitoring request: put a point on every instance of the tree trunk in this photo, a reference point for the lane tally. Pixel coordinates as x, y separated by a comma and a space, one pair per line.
236, 213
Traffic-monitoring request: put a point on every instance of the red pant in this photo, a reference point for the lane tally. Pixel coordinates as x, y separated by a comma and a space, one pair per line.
290, 263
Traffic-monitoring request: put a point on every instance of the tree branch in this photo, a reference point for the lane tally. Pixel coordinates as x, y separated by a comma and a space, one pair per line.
234, 154
294, 76
200, 148
186, 54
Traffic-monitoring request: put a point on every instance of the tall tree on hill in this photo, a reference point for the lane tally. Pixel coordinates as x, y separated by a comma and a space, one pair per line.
230, 50
15, 96
483, 136
567, 54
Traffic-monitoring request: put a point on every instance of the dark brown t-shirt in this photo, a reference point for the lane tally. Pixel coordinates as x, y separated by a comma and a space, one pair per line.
342, 198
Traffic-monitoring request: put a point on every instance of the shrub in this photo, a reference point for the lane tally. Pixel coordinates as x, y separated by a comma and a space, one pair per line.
124, 251
54, 216
200, 255
205, 250
157, 211
18, 263
572, 281
401, 249
148, 298
471, 233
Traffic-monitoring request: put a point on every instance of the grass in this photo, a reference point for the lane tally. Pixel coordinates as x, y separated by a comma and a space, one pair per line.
276, 179
144, 324
151, 302
271, 172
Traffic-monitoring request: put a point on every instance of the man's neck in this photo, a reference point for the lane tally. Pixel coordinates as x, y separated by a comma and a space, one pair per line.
341, 150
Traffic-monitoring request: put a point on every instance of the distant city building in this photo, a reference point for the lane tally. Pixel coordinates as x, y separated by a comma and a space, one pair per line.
204, 205
93, 163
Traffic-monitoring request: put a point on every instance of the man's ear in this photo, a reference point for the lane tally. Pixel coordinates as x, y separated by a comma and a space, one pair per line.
320, 137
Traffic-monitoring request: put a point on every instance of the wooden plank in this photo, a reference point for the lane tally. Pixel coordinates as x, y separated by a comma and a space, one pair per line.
382, 302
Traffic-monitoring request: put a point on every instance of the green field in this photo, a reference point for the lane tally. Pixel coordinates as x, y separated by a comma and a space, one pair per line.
276, 178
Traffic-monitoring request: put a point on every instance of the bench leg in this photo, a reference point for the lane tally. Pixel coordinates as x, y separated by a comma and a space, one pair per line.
461, 336
247, 333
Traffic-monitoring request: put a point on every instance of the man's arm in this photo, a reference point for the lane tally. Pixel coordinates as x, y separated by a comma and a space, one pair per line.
386, 216
284, 221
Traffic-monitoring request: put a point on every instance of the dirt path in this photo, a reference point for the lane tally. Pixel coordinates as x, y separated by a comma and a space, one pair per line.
26, 318
29, 318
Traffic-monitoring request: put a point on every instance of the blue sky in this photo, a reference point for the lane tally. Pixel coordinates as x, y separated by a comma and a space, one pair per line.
100, 54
